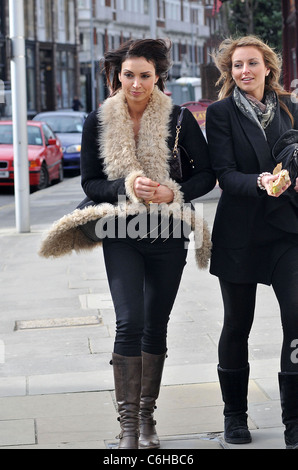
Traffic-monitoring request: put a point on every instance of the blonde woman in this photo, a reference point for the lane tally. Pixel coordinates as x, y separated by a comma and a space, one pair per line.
255, 233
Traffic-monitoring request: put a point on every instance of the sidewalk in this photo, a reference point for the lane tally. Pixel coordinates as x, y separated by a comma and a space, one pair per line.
56, 336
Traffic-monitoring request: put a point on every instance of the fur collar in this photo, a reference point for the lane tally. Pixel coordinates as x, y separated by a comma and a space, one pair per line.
123, 154
149, 156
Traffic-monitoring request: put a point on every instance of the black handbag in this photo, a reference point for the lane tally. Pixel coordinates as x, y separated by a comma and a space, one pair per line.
181, 165
285, 151
89, 228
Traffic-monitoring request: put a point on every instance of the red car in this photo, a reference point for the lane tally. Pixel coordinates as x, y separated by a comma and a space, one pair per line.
198, 109
44, 153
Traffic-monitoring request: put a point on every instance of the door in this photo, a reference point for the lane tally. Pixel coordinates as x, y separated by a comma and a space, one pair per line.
46, 80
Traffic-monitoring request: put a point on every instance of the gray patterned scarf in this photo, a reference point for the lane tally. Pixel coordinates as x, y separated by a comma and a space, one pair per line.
260, 113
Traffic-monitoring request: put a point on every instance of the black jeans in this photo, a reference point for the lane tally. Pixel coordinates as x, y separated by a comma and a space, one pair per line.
144, 278
239, 306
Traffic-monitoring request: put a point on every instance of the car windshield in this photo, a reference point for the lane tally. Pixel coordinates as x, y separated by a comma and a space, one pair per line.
6, 135
64, 124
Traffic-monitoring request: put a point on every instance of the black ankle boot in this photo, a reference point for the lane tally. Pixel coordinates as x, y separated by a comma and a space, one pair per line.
288, 385
234, 387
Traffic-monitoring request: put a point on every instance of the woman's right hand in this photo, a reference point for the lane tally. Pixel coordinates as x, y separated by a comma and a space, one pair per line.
296, 186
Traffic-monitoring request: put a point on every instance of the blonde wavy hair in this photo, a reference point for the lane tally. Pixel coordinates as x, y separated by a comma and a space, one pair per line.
223, 60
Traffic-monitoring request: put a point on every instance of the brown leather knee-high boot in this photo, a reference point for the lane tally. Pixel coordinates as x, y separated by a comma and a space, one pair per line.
128, 376
151, 380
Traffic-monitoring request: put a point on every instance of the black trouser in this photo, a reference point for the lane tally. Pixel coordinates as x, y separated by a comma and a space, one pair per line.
144, 278
239, 306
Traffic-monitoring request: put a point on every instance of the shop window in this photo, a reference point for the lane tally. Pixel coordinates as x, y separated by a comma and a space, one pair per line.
31, 88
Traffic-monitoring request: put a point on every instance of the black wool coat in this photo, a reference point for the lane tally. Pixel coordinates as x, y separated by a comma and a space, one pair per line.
251, 229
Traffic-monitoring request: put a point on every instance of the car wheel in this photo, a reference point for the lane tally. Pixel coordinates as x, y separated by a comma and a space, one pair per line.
60, 174
44, 179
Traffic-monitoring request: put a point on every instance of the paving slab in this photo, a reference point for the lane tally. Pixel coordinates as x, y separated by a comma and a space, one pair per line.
56, 383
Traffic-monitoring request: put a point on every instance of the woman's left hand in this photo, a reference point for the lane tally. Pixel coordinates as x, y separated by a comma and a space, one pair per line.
162, 194
266, 182
296, 187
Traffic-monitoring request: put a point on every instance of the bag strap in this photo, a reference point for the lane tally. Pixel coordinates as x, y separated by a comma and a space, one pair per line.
178, 129
180, 117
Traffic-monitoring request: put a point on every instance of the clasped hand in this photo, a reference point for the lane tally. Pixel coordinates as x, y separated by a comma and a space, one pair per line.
151, 191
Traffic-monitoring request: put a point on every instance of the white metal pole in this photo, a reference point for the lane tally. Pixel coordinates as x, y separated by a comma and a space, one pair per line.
93, 84
19, 116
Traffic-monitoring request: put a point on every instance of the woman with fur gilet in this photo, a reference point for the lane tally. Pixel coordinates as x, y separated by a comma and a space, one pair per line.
125, 167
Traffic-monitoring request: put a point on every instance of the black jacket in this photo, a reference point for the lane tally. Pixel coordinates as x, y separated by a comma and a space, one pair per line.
99, 189
251, 229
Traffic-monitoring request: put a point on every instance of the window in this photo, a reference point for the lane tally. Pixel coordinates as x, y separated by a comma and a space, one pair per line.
29, 19
2, 61
65, 78
174, 10
30, 73
186, 13
146, 7
160, 9
6, 135
61, 14
41, 13
34, 135
70, 21
48, 133
48, 13
2, 19
83, 3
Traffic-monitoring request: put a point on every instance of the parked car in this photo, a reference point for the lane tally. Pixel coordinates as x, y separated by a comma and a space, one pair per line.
68, 125
198, 109
44, 153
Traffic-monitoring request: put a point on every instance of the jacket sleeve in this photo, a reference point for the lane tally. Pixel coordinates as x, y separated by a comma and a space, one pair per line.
292, 104
203, 177
293, 107
93, 178
222, 154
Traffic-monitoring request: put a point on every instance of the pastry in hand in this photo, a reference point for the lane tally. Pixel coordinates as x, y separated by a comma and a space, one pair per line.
282, 180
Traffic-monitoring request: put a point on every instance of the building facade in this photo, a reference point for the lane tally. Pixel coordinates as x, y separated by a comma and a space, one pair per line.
4, 28
66, 39
290, 44
105, 24
52, 44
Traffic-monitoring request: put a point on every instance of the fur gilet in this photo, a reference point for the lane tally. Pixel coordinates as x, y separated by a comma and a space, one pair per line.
123, 157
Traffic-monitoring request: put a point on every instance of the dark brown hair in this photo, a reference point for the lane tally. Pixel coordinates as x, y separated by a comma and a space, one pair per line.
156, 51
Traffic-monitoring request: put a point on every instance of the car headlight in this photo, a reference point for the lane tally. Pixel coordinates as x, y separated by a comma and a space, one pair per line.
73, 149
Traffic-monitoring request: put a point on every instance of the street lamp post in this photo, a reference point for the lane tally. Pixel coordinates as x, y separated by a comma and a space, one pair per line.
19, 116
93, 84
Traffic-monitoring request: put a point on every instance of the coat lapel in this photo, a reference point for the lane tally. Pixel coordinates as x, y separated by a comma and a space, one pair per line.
258, 141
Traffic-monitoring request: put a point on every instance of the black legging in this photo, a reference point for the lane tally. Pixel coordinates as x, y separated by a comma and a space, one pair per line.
239, 306
144, 278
